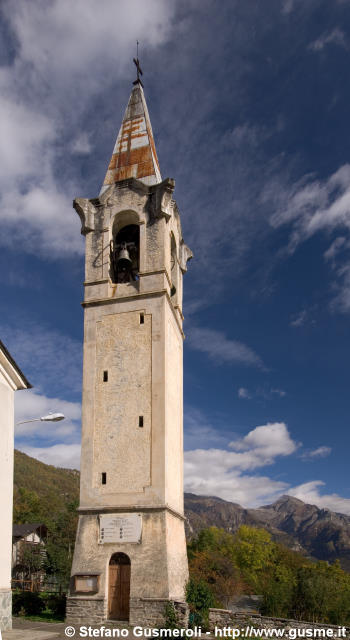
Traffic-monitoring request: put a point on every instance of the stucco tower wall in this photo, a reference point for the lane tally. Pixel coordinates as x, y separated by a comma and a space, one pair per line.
144, 365
6, 492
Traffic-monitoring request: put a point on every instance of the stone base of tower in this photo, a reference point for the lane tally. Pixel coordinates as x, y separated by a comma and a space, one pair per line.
144, 576
145, 612
81, 610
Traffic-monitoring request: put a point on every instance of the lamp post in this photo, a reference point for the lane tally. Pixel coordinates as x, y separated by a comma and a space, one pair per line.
51, 417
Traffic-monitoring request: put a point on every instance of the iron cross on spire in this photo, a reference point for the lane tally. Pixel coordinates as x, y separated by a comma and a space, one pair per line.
137, 64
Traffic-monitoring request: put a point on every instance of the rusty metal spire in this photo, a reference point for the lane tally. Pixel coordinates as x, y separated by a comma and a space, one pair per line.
134, 154
137, 64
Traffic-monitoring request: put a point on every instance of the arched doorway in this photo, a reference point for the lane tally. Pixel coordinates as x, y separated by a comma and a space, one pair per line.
119, 587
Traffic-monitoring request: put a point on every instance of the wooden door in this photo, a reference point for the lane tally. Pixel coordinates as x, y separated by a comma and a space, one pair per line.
119, 591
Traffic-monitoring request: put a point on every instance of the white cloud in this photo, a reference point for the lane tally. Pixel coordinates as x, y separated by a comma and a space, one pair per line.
299, 319
82, 145
279, 392
265, 443
341, 300
61, 64
334, 248
23, 131
312, 206
288, 6
73, 37
336, 36
248, 135
309, 493
222, 349
222, 473
44, 220
32, 404
59, 455
320, 452
245, 134
229, 484
244, 393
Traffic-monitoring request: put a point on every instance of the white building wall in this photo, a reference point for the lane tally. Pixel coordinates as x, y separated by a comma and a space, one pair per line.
11, 380
6, 497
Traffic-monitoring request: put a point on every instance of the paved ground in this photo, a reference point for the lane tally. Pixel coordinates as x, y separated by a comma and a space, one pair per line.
28, 630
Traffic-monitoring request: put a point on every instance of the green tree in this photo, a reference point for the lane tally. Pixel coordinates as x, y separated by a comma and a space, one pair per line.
278, 587
200, 598
31, 559
253, 549
60, 544
322, 594
212, 539
27, 506
250, 562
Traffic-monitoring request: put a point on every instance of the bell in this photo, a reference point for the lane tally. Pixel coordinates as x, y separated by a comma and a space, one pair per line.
124, 261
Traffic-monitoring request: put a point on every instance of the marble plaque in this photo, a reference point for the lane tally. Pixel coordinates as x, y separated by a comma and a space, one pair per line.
120, 527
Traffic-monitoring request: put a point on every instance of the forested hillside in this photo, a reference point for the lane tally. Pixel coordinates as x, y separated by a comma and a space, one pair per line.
40, 490
49, 495
223, 565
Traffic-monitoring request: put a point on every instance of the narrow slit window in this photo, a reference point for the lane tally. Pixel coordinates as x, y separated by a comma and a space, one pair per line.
140, 421
105, 376
142, 318
104, 477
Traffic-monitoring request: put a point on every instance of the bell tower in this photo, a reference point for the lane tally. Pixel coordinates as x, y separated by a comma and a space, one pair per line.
130, 554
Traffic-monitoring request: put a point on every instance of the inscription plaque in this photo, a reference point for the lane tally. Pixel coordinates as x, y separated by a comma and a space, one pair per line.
86, 583
120, 527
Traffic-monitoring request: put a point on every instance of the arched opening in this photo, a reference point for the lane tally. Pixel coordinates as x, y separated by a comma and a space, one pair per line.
125, 254
119, 587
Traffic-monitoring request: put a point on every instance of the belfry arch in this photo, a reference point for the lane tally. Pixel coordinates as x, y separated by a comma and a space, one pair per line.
125, 254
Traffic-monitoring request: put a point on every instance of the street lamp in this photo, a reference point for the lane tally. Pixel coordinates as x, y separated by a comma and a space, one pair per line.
51, 417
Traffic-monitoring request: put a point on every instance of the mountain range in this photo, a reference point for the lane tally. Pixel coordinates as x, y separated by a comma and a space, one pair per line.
314, 532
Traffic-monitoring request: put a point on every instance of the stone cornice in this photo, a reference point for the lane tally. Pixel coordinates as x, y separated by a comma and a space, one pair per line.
130, 509
146, 294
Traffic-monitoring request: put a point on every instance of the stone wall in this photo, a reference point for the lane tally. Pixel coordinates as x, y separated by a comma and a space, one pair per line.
150, 612
224, 618
5, 609
85, 610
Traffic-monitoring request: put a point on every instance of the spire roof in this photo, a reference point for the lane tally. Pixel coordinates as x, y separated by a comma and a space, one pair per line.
134, 154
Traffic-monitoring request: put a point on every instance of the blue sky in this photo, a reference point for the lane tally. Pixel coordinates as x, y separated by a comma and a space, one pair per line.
249, 104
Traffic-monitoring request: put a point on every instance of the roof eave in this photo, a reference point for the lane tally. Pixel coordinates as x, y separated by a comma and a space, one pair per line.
13, 373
